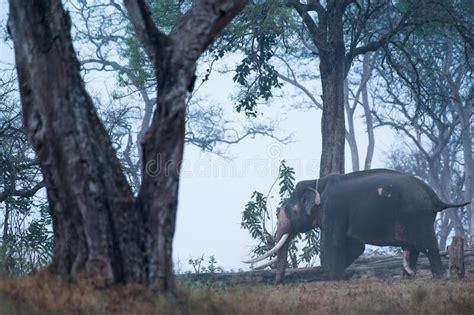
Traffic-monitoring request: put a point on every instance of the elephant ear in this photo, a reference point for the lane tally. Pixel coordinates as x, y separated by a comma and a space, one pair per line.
317, 199
317, 196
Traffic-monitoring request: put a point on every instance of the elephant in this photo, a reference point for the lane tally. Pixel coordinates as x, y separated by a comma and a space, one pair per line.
379, 207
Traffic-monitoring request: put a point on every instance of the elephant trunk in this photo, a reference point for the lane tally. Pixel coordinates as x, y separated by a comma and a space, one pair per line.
282, 261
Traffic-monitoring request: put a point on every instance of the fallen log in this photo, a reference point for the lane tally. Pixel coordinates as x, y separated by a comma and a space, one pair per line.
377, 267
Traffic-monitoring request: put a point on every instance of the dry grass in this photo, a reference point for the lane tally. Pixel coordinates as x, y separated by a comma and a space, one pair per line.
45, 294
348, 297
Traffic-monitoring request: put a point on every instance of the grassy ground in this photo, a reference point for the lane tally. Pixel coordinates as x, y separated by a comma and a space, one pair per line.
43, 294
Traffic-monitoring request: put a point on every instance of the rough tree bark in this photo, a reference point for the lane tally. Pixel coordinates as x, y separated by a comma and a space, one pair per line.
333, 73
100, 229
456, 258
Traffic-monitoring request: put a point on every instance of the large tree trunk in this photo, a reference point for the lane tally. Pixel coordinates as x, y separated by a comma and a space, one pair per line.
100, 230
333, 124
331, 67
158, 196
91, 205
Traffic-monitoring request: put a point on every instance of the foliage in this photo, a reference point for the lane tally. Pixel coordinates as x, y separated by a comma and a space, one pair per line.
264, 29
304, 248
26, 239
287, 182
212, 266
254, 216
28, 245
166, 14
431, 102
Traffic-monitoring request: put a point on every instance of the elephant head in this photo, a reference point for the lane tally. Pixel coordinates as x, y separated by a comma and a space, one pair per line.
300, 213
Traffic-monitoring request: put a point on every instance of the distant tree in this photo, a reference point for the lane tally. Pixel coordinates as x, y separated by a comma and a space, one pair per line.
431, 104
100, 228
25, 243
355, 95
407, 158
19, 170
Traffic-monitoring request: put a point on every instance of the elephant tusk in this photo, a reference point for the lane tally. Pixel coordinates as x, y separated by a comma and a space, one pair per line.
270, 252
268, 264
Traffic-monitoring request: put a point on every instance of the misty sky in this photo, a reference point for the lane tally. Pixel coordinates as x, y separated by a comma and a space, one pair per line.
211, 201
214, 190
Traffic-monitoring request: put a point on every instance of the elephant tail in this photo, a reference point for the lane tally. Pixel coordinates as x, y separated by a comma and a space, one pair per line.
444, 205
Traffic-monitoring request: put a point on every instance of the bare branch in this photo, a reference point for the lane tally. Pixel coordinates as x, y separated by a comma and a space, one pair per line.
24, 193
375, 45
295, 83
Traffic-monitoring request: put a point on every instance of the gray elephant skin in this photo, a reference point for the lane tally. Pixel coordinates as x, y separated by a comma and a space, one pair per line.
378, 207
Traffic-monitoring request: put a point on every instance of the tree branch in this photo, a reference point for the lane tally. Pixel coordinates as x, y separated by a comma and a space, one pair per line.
315, 5
202, 23
307, 19
295, 83
375, 45
151, 38
25, 193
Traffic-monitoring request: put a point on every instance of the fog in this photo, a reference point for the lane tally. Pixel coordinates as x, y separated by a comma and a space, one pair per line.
215, 188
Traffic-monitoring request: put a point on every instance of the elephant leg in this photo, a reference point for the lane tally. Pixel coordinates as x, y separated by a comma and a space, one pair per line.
432, 252
335, 245
336, 265
437, 268
354, 250
414, 253
410, 258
